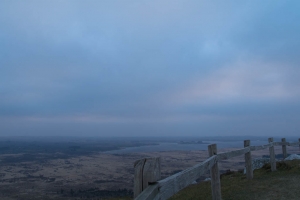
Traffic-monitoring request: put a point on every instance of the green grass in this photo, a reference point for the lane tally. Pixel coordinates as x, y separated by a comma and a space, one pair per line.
281, 184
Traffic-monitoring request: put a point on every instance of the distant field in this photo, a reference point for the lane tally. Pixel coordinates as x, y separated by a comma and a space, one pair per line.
66, 148
65, 169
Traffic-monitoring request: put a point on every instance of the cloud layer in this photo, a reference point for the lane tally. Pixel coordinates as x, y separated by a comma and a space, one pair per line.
135, 68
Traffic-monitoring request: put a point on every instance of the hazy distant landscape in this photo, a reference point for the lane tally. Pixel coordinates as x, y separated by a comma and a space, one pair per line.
89, 87
61, 168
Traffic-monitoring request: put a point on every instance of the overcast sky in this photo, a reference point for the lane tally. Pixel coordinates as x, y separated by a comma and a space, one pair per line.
142, 68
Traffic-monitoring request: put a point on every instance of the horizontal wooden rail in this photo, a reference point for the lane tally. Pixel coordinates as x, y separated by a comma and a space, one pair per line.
281, 143
294, 143
164, 189
150, 193
231, 154
286, 143
173, 184
256, 148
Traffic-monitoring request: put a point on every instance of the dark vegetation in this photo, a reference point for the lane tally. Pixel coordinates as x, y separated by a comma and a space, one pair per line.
94, 193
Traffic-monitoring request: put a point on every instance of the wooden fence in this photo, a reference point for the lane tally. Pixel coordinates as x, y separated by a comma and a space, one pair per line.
147, 185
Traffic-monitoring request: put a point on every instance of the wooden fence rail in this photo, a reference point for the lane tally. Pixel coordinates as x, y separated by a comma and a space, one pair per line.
147, 185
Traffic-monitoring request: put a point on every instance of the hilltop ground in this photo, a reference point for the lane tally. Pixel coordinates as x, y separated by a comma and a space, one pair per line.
281, 184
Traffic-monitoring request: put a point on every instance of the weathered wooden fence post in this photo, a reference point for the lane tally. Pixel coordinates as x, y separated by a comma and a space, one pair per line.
215, 175
151, 172
138, 177
272, 156
248, 161
146, 171
284, 153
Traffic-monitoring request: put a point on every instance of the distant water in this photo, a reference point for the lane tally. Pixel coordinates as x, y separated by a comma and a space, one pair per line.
184, 147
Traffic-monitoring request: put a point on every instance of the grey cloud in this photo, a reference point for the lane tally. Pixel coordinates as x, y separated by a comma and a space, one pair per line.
123, 59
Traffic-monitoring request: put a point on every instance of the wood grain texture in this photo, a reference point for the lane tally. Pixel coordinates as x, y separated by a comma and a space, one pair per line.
171, 185
150, 193
146, 171
215, 175
151, 171
231, 154
284, 152
261, 147
248, 161
272, 155
138, 177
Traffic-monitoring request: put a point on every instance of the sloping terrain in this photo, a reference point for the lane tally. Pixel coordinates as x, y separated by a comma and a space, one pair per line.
281, 184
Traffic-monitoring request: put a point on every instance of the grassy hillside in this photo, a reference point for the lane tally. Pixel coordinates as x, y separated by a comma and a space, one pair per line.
281, 184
